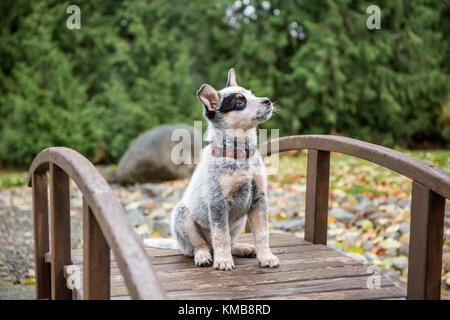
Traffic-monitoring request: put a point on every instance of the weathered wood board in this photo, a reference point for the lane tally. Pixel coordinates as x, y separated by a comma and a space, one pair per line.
307, 271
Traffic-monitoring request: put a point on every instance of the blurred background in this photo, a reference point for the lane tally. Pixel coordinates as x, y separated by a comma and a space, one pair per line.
133, 66
136, 64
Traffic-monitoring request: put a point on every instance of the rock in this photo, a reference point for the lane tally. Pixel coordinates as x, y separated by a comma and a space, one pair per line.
363, 205
393, 235
273, 210
377, 214
389, 243
357, 256
340, 214
446, 261
158, 214
297, 197
151, 190
404, 227
393, 276
404, 239
364, 224
400, 263
392, 228
379, 201
333, 244
149, 157
291, 224
107, 173
136, 217
404, 203
367, 245
392, 232
392, 252
17, 291
403, 250
162, 226
381, 222
361, 198
350, 238
392, 200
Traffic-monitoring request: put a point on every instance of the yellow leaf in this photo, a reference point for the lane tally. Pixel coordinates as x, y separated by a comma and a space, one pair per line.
142, 229
156, 234
356, 249
367, 225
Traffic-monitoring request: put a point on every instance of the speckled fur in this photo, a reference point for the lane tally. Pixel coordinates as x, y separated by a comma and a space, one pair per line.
223, 191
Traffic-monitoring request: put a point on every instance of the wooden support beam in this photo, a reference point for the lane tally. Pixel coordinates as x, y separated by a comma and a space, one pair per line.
41, 235
425, 247
60, 231
317, 187
96, 258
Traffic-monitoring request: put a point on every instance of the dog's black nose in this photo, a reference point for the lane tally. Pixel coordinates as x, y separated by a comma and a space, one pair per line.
266, 101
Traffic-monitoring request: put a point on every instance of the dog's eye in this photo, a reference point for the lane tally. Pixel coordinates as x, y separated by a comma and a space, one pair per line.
240, 103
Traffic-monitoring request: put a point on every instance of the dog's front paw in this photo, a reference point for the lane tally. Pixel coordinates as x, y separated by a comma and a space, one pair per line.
202, 258
268, 261
223, 263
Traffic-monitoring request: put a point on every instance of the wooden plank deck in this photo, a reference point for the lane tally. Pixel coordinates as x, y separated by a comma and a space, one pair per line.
306, 271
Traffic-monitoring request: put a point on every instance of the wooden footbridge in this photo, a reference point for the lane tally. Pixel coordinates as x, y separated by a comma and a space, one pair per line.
113, 263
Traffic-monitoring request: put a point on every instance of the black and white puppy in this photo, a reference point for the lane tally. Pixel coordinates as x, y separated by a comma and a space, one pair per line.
228, 186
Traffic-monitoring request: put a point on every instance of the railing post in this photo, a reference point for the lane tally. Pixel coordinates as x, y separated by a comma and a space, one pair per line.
96, 259
317, 187
425, 247
41, 235
60, 231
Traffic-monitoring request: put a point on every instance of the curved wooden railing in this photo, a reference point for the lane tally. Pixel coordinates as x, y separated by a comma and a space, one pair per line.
105, 226
431, 186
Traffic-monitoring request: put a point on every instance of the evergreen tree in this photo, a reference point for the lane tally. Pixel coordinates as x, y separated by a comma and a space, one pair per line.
136, 64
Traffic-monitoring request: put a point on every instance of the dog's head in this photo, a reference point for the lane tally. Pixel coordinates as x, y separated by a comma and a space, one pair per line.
234, 107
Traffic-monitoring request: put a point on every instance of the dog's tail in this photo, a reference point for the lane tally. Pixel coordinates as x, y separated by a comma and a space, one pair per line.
161, 243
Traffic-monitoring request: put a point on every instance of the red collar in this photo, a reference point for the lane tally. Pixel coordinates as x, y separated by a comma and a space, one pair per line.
246, 153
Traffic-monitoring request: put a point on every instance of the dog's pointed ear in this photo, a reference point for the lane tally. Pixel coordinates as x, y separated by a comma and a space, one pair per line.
231, 79
208, 96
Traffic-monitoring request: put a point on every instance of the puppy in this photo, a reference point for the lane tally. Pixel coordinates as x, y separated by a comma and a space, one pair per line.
229, 184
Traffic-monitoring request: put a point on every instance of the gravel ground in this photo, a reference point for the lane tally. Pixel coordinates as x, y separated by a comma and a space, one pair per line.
374, 230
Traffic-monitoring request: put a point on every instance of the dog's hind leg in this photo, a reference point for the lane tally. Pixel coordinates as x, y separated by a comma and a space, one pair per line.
240, 249
202, 251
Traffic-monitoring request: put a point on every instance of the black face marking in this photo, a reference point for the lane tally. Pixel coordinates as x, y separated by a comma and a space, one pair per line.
210, 114
235, 101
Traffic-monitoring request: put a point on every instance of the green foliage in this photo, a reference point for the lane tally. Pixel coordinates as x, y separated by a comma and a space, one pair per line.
136, 64
12, 179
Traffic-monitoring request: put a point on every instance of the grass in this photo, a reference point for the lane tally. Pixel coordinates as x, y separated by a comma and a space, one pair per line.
10, 179
356, 176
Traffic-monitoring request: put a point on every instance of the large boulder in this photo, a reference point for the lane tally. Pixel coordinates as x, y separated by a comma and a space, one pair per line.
148, 159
